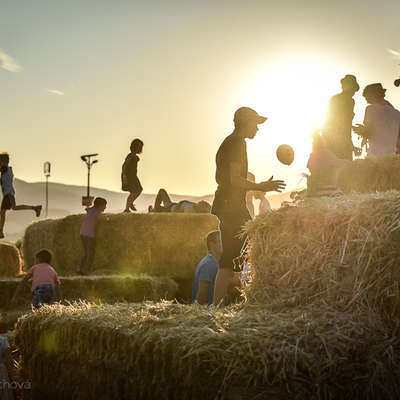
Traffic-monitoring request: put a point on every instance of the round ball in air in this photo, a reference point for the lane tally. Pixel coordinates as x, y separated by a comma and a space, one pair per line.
285, 154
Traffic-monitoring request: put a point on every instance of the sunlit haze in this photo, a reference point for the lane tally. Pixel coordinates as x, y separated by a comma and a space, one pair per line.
88, 77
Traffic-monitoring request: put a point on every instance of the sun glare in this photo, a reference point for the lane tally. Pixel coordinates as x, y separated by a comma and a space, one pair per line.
293, 94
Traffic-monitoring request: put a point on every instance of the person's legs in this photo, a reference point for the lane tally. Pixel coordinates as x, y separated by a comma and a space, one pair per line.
136, 190
161, 198
15, 207
83, 262
2, 222
129, 202
230, 226
90, 249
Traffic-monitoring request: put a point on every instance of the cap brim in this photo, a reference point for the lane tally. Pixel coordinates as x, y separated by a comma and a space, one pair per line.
261, 120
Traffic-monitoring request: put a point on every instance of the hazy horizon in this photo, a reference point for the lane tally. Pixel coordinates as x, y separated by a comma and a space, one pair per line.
88, 77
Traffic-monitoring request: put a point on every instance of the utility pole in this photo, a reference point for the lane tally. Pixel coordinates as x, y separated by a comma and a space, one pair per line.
89, 161
46, 170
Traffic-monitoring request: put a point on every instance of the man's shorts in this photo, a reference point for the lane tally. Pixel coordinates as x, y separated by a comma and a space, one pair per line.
8, 202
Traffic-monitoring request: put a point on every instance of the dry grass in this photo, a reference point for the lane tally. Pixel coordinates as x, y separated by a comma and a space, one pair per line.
371, 175
167, 351
10, 260
155, 244
338, 251
108, 289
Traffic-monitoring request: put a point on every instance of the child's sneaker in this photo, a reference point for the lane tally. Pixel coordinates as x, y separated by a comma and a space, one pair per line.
1, 235
133, 208
38, 210
150, 208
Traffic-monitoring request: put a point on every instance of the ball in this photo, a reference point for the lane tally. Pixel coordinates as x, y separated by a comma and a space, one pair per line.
285, 154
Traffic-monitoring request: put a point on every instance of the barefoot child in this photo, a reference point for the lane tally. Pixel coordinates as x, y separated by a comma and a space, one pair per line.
88, 234
45, 282
130, 181
8, 190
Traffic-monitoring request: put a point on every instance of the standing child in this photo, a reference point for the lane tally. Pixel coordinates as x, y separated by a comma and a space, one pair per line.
88, 234
45, 282
130, 181
8, 190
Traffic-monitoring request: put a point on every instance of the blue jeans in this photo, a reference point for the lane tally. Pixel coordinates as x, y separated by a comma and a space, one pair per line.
42, 294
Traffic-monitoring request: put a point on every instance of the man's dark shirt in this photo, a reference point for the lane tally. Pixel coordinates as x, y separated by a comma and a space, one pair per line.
232, 150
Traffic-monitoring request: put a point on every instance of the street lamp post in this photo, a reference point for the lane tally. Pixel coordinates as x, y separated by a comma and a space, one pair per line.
46, 170
89, 161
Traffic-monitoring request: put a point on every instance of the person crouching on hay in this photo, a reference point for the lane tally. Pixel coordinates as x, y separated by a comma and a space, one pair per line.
45, 281
88, 234
7, 187
324, 167
130, 181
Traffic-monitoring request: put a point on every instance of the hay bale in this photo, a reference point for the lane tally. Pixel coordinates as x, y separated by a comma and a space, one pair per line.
10, 260
167, 351
107, 289
371, 175
155, 244
343, 251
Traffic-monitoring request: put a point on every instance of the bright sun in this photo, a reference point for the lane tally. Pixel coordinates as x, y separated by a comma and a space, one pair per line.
293, 93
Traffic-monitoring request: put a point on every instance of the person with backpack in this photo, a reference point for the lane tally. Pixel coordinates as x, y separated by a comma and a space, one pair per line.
130, 180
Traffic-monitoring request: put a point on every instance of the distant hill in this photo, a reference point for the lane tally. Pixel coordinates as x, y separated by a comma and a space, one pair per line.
66, 199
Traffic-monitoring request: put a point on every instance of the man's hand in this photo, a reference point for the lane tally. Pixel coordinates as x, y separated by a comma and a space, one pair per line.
360, 130
272, 186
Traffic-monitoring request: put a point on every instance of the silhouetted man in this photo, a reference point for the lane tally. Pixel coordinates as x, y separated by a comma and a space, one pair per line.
230, 198
338, 125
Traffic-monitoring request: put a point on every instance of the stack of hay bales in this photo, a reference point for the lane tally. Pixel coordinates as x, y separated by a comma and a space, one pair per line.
371, 175
320, 321
154, 244
167, 351
10, 260
339, 251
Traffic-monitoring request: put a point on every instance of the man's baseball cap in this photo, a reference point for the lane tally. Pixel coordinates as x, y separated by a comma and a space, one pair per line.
244, 114
374, 89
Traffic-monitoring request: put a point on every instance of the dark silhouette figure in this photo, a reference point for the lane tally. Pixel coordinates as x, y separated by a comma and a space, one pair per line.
130, 180
164, 204
338, 125
230, 198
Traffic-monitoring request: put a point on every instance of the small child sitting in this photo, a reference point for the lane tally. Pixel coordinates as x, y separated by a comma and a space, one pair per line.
88, 234
45, 282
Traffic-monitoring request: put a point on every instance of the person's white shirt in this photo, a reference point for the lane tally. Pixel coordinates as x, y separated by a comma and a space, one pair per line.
383, 124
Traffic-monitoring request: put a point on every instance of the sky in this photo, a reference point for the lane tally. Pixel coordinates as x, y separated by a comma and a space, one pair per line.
89, 76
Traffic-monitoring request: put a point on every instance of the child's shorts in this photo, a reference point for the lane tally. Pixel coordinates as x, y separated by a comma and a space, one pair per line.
8, 202
42, 294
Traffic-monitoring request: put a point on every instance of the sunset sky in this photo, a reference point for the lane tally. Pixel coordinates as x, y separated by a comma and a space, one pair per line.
88, 76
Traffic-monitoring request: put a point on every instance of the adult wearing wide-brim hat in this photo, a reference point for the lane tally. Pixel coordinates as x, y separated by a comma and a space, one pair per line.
337, 129
381, 127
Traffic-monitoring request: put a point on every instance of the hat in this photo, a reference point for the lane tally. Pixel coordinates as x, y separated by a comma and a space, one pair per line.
244, 114
374, 89
350, 80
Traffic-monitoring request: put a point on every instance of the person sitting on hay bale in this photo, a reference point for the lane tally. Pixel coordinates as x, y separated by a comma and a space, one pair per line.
324, 167
45, 281
88, 234
381, 126
7, 187
164, 204
206, 271
264, 205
